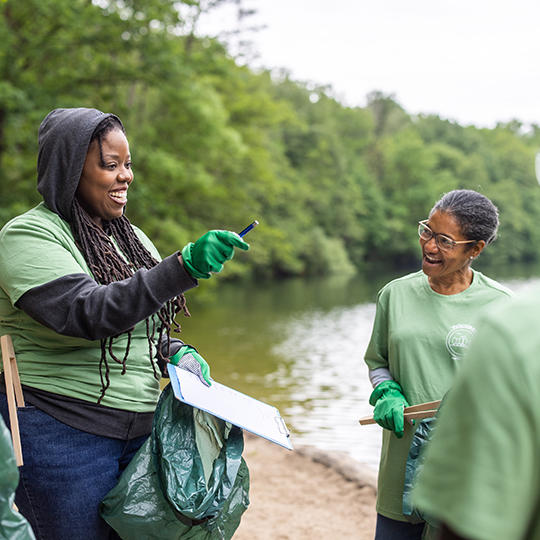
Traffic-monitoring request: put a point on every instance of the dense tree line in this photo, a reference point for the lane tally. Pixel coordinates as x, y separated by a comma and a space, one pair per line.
216, 144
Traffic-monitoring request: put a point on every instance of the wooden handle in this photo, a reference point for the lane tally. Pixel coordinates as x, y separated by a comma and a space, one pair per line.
423, 406
422, 410
408, 416
13, 393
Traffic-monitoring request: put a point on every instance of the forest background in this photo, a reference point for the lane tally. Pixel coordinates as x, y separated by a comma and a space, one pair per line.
216, 144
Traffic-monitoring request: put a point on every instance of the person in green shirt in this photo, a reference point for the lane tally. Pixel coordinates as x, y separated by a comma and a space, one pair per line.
90, 305
423, 325
481, 469
13, 526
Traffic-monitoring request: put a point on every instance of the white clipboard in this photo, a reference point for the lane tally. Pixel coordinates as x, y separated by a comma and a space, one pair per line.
230, 405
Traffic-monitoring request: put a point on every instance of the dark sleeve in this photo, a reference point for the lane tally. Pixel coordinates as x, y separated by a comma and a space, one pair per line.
168, 348
75, 305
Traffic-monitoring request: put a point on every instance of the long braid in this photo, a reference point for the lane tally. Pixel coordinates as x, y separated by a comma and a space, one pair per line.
107, 266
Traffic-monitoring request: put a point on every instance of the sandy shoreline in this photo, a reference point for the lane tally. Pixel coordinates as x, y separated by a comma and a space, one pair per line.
306, 494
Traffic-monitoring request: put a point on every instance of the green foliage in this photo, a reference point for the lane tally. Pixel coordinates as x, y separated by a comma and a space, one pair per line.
216, 145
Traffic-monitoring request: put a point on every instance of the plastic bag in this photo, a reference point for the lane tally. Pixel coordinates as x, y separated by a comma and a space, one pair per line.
13, 526
163, 493
414, 464
413, 467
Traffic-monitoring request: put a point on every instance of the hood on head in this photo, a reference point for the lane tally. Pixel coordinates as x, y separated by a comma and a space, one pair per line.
63, 139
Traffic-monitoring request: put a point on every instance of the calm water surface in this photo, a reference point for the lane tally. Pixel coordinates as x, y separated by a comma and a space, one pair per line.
298, 345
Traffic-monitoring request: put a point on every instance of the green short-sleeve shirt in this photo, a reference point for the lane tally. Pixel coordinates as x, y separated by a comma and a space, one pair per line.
421, 337
482, 469
38, 247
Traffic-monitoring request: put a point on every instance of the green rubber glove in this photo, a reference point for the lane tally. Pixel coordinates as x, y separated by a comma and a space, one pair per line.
189, 359
389, 403
210, 251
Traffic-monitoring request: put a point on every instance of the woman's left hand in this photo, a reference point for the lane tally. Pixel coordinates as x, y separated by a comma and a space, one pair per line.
210, 252
189, 359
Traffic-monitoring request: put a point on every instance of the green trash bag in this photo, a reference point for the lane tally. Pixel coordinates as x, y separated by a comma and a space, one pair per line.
415, 462
163, 494
13, 526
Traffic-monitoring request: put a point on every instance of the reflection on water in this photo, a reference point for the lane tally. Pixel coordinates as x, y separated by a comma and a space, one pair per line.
331, 385
299, 346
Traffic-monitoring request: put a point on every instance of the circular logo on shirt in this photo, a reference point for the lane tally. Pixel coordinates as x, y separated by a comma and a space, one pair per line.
459, 339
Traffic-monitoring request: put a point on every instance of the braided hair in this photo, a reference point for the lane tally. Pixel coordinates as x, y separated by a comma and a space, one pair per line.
107, 266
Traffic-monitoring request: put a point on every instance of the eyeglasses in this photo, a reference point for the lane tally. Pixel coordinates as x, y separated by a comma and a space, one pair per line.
443, 242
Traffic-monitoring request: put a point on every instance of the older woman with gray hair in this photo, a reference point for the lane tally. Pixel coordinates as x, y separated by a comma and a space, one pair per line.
423, 325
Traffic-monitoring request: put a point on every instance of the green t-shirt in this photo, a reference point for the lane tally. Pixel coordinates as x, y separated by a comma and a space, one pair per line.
482, 468
38, 247
421, 337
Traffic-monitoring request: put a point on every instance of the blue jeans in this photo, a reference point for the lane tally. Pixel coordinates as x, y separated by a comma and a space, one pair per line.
392, 529
66, 473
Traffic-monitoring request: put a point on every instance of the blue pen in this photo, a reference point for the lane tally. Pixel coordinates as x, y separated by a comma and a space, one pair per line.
248, 228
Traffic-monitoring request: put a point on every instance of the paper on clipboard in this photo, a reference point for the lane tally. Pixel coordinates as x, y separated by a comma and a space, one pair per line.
230, 405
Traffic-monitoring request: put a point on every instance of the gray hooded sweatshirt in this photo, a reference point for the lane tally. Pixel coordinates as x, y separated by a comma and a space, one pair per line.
63, 138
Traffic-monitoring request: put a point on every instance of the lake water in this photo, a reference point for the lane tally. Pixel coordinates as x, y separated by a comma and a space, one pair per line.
298, 345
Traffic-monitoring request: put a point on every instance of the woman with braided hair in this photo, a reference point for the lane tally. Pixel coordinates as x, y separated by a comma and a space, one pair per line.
90, 305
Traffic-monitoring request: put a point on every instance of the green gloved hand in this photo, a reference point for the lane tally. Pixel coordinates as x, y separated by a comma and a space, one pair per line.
389, 403
210, 251
189, 359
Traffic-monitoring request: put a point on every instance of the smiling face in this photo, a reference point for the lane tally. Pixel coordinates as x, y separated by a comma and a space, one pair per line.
451, 267
103, 186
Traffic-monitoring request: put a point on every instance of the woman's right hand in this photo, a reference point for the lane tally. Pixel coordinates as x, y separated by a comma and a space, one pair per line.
210, 251
389, 403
